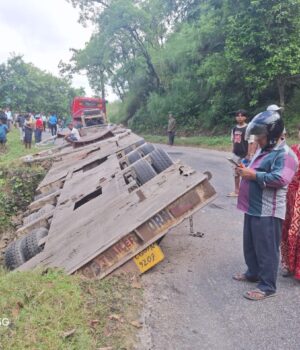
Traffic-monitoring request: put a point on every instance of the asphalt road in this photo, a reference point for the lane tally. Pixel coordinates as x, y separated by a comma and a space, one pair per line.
191, 301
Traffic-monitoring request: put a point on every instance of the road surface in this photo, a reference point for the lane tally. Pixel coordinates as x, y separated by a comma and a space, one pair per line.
191, 301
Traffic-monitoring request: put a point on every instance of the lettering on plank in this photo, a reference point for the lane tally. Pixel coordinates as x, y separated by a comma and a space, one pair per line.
155, 225
111, 256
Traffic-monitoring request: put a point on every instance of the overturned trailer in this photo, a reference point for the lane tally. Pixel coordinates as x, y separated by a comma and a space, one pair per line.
106, 207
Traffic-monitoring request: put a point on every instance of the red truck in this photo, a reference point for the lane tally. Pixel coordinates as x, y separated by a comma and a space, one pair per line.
88, 111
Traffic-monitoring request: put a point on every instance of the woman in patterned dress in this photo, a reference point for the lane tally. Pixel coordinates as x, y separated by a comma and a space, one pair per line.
290, 245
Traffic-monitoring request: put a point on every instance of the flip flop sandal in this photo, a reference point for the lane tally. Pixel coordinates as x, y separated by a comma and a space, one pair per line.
241, 277
286, 273
232, 194
257, 294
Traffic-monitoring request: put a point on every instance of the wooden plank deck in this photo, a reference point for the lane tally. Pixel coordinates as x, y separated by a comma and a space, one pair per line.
79, 235
74, 161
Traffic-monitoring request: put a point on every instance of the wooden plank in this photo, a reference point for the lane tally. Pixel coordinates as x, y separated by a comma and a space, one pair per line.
50, 199
86, 140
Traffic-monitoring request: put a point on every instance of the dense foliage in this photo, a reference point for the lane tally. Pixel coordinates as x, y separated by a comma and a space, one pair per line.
26, 88
202, 59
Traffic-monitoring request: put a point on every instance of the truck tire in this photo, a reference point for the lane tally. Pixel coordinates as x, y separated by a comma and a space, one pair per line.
147, 148
144, 171
139, 143
13, 255
160, 160
133, 157
127, 150
34, 216
30, 246
28, 219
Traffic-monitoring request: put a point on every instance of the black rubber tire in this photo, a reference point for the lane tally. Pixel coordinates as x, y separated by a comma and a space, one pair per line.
144, 171
34, 216
127, 150
140, 143
31, 247
14, 256
28, 219
147, 148
160, 160
133, 157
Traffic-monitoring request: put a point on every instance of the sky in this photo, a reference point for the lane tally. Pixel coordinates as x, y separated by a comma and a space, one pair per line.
42, 31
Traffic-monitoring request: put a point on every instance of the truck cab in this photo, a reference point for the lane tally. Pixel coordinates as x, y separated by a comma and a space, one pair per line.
88, 111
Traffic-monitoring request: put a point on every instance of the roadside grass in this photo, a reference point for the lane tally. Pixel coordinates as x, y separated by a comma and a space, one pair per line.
17, 180
16, 149
54, 311
220, 143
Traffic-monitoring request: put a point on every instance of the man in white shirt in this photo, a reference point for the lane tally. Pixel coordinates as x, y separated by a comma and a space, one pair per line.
73, 135
9, 117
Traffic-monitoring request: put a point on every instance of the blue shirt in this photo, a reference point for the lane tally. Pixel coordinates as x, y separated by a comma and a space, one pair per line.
52, 119
266, 195
3, 132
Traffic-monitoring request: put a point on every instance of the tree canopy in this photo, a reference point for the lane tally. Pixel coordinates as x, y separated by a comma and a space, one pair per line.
26, 88
202, 59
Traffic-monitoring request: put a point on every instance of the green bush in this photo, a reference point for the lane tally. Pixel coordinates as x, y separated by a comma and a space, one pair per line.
17, 186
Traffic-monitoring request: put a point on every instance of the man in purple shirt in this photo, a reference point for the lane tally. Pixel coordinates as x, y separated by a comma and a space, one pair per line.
262, 197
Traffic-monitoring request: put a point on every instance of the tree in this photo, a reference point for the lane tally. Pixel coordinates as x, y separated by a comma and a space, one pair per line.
262, 37
201, 59
24, 87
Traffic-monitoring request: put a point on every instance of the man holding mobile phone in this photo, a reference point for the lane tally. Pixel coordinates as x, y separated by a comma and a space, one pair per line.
262, 197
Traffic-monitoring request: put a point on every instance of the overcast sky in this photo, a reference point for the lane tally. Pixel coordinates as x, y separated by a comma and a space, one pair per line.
42, 31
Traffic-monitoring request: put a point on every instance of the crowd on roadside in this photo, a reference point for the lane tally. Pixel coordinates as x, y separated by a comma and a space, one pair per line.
30, 125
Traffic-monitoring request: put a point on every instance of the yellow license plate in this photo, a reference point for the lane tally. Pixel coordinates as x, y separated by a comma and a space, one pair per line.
149, 257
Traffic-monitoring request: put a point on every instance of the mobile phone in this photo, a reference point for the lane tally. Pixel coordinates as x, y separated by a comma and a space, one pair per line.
232, 161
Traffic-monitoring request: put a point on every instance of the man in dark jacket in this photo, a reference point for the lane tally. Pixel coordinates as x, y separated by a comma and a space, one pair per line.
171, 128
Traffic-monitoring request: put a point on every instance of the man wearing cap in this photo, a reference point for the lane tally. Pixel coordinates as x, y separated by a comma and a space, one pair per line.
171, 128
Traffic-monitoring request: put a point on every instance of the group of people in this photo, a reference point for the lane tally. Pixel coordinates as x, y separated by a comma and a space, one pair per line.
269, 196
29, 124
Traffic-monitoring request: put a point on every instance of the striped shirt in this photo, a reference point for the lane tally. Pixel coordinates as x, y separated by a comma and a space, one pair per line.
266, 196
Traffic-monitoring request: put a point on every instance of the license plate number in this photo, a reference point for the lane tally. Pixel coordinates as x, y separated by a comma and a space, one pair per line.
149, 257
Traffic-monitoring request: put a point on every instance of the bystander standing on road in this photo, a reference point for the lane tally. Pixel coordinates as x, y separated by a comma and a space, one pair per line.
3, 131
15, 117
242, 149
28, 130
44, 120
53, 124
20, 122
290, 245
38, 129
3, 116
171, 128
9, 117
262, 197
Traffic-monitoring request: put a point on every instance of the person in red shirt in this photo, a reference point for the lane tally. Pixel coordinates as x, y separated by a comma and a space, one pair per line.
39, 127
